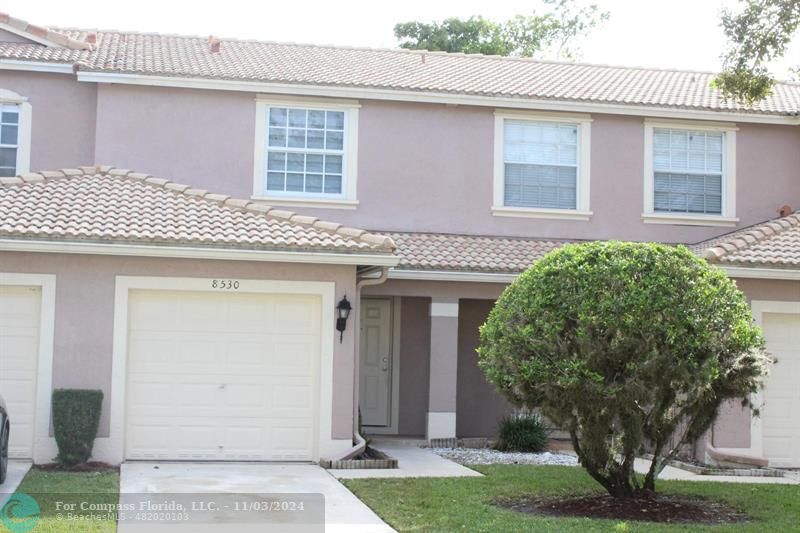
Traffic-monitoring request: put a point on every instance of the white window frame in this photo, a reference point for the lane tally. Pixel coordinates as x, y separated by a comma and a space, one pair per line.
728, 215
347, 199
582, 192
8, 97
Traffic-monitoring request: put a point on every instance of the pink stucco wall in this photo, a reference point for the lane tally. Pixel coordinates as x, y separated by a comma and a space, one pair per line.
427, 167
85, 313
63, 112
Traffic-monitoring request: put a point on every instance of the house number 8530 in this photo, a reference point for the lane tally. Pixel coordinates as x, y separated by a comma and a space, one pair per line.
225, 284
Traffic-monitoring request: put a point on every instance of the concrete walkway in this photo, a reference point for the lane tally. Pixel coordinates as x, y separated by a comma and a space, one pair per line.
343, 511
16, 471
670, 472
412, 460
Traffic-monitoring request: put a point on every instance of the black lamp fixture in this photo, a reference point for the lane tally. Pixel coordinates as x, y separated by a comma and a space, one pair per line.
343, 309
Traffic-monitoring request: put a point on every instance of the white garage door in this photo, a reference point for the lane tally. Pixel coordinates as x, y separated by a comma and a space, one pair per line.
20, 311
781, 412
215, 376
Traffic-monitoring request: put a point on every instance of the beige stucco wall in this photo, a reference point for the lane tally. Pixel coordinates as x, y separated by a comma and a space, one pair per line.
415, 349
480, 406
85, 313
427, 167
63, 112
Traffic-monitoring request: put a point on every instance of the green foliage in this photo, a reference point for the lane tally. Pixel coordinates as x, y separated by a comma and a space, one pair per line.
76, 416
522, 433
520, 36
622, 344
761, 32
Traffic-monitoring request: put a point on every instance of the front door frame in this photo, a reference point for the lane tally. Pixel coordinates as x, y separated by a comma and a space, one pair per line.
394, 400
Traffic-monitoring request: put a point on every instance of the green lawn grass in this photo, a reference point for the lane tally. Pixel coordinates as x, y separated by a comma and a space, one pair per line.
466, 504
70, 487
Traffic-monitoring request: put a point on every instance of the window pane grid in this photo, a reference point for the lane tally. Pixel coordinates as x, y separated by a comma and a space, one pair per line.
540, 164
688, 171
9, 139
305, 151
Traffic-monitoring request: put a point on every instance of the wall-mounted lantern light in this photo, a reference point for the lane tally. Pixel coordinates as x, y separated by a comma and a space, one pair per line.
343, 311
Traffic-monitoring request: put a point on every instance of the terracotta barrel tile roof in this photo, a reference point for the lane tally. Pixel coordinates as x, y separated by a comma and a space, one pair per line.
775, 243
469, 253
104, 204
396, 69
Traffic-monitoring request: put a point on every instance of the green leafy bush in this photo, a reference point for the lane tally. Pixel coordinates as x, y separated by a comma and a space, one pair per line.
76, 416
522, 433
622, 344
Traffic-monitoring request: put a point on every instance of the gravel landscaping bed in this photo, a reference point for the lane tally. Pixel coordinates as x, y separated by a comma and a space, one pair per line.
488, 456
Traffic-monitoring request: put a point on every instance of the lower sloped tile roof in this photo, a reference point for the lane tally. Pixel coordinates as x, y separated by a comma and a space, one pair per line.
775, 243
469, 253
108, 205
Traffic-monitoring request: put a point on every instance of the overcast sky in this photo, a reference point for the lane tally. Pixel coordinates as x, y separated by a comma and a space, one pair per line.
657, 33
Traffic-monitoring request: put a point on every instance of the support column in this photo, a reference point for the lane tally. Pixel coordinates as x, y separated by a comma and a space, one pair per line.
441, 422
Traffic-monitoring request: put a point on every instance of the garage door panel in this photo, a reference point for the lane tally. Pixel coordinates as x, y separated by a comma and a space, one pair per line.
20, 322
234, 375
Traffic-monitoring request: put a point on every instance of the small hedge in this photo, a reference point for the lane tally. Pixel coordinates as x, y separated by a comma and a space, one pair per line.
522, 433
76, 416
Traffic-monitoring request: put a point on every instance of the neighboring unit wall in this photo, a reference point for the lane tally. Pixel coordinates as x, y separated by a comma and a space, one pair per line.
732, 427
85, 286
415, 347
63, 111
480, 406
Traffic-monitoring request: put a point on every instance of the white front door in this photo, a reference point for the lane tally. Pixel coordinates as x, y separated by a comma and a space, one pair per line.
20, 311
222, 376
780, 414
376, 361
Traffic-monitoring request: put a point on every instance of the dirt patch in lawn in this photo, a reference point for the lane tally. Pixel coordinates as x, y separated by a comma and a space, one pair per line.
91, 466
650, 508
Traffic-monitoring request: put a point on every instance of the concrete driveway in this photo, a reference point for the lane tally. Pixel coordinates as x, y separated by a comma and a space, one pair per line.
343, 511
16, 471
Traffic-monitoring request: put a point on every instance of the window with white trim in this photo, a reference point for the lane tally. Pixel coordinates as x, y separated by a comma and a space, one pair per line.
540, 162
541, 165
688, 171
306, 152
9, 139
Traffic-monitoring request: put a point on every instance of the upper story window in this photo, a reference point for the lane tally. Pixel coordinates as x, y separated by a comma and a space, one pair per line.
306, 153
15, 134
9, 139
690, 174
542, 166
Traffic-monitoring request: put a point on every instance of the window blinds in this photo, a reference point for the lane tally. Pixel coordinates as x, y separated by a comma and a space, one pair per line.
540, 164
688, 171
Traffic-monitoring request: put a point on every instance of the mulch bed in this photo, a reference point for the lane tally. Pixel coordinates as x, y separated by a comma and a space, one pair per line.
644, 508
91, 466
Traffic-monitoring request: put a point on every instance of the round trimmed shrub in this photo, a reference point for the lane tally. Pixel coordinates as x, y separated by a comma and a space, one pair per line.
622, 344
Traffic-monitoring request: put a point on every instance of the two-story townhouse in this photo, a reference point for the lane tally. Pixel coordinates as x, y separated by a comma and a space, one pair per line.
212, 315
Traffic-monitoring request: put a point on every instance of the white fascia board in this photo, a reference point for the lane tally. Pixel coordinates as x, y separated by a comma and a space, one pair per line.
181, 252
760, 273
439, 275
430, 97
36, 66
